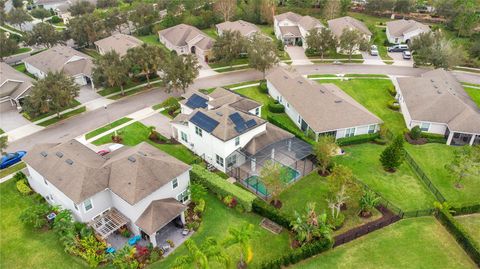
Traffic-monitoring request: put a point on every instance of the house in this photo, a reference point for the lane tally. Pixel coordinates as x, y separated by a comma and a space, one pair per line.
403, 31
49, 4
185, 39
338, 25
140, 187
120, 43
320, 109
61, 58
438, 104
14, 86
245, 28
293, 29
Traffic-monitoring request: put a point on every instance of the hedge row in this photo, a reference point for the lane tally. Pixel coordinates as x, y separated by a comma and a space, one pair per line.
465, 210
357, 139
221, 187
263, 209
276, 107
298, 254
434, 138
297, 132
462, 237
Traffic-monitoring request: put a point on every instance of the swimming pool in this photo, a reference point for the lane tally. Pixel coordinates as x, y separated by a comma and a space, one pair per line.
255, 183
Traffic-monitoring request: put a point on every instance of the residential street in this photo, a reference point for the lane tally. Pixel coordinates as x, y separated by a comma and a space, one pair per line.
88, 121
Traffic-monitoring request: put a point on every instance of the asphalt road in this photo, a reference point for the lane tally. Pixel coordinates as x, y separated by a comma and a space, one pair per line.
88, 121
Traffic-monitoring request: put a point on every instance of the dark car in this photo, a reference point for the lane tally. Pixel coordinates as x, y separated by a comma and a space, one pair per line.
11, 158
398, 48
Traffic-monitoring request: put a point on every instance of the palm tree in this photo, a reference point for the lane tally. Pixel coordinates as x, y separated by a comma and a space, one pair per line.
242, 236
310, 226
201, 257
368, 201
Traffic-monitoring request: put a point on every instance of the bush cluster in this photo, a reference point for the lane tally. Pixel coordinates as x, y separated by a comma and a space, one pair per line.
221, 187
276, 107
393, 105
23, 187
358, 139
263, 209
471, 209
263, 87
55, 19
434, 138
298, 254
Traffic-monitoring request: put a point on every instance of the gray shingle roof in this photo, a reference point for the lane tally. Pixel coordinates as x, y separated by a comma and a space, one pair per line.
290, 30
339, 24
13, 83
180, 35
158, 214
245, 28
119, 43
323, 106
400, 27
438, 97
291, 16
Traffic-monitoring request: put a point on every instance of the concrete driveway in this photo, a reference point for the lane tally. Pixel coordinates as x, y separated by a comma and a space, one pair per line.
398, 59
11, 119
369, 59
297, 54
87, 94
161, 123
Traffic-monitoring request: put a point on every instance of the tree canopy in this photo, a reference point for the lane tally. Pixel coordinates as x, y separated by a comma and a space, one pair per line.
44, 34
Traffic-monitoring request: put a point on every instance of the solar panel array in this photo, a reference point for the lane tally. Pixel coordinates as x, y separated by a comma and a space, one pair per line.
196, 101
240, 124
204, 122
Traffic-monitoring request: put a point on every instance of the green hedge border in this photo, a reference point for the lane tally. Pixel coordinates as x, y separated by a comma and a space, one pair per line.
263, 209
357, 139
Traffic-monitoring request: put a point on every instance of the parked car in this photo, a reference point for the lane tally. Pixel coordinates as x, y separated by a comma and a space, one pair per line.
398, 48
103, 152
337, 62
10, 159
374, 50
407, 55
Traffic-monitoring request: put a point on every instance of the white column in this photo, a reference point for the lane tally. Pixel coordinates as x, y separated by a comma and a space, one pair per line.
253, 164
182, 217
450, 137
472, 140
272, 156
153, 239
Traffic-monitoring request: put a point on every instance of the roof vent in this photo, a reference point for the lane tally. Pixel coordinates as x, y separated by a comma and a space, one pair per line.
219, 113
435, 86
338, 101
300, 82
70, 162
132, 159
285, 77
44, 154
142, 153
59, 154
439, 92
431, 80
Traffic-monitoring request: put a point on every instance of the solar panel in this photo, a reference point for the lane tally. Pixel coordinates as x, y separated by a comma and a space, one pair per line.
236, 118
204, 122
250, 123
196, 101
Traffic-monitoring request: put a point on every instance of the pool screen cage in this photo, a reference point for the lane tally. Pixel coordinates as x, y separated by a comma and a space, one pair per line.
293, 153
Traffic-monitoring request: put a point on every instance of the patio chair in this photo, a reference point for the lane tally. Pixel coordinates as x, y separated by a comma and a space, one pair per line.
132, 241
110, 250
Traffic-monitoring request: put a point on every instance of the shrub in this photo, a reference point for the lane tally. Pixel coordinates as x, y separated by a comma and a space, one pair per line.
263, 87
471, 209
276, 107
171, 104
336, 222
393, 105
434, 138
200, 207
221, 187
263, 209
55, 19
19, 176
23, 187
392, 91
380, 141
416, 132
358, 139
35, 216
230, 201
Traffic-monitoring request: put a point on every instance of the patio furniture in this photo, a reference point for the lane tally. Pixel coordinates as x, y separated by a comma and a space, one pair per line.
51, 216
132, 241
185, 232
165, 248
111, 250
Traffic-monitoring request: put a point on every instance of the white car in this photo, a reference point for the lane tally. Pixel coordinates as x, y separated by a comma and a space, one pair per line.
374, 50
407, 55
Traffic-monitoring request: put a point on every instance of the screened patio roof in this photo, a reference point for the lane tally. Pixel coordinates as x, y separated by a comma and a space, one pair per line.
107, 223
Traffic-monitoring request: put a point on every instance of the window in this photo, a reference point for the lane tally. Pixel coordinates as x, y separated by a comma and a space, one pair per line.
425, 126
45, 181
174, 183
183, 196
237, 140
184, 136
198, 131
257, 111
279, 99
288, 105
75, 205
349, 132
299, 119
232, 160
88, 205
371, 129
219, 160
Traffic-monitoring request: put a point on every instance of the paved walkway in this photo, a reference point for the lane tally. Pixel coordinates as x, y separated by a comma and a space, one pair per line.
297, 54
161, 123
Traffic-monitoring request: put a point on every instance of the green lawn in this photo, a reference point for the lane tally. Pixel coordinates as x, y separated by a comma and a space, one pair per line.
474, 94
471, 223
63, 116
217, 219
22, 247
401, 188
336, 55
267, 30
410, 243
107, 127
18, 51
314, 188
75, 103
235, 62
12, 169
153, 40
21, 67
432, 158
373, 94
211, 32
91, 52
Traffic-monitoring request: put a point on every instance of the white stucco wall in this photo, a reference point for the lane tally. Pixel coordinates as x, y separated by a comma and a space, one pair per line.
34, 71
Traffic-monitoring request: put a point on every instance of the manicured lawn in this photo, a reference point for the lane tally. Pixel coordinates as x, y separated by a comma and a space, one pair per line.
314, 188
474, 94
136, 133
335, 55
21, 67
410, 243
373, 94
28, 117
153, 40
235, 62
107, 127
217, 218
22, 247
471, 223
401, 188
63, 116
18, 51
211, 32
12, 169
432, 158
267, 30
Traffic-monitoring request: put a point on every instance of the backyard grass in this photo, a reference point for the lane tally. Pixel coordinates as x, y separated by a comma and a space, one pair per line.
409, 243
471, 223
22, 247
18, 51
217, 219
91, 52
267, 30
153, 40
373, 94
401, 188
314, 188
12, 169
63, 116
474, 94
107, 127
432, 158
211, 32
21, 67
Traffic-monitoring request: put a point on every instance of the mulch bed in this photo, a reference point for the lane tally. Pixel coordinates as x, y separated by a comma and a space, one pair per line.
271, 226
420, 141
